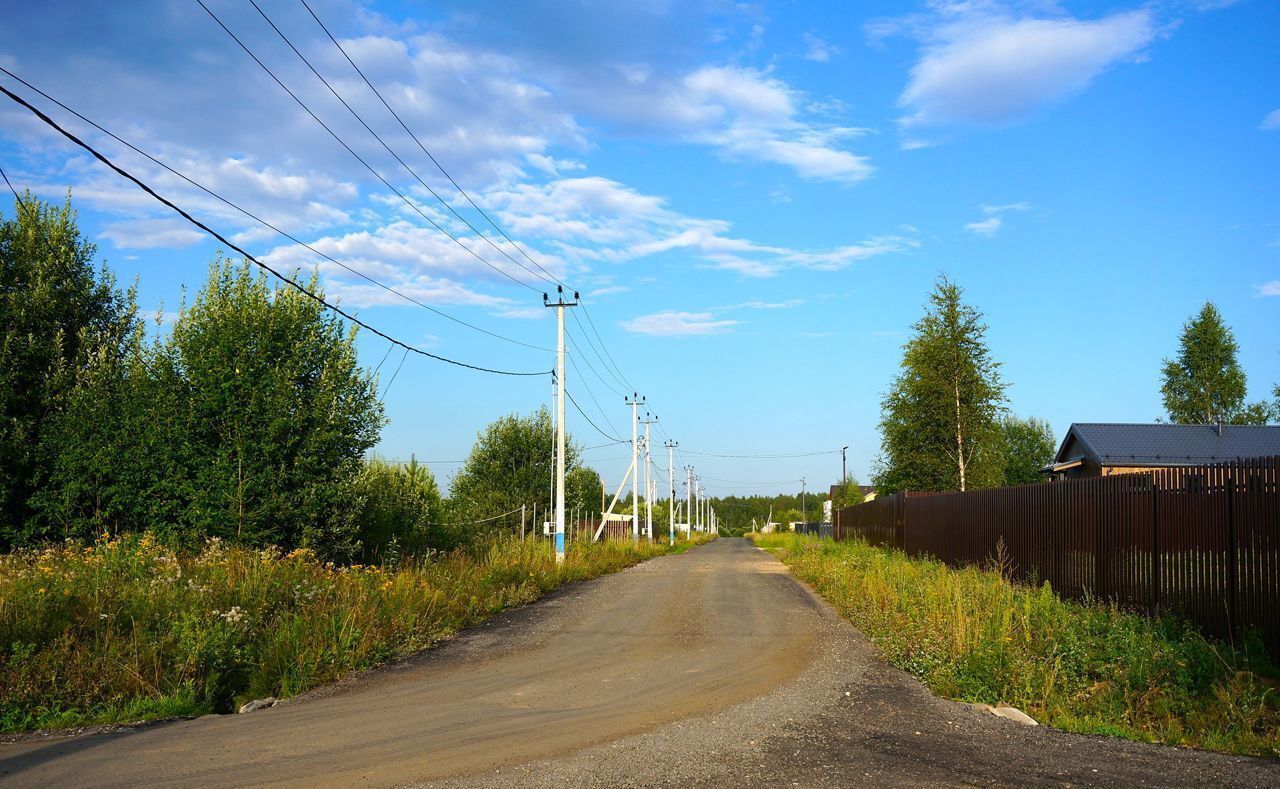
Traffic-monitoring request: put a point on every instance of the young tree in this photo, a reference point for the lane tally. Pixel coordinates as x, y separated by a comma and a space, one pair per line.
582, 491
509, 467
399, 512
940, 420
847, 493
61, 322
1028, 447
272, 415
1205, 383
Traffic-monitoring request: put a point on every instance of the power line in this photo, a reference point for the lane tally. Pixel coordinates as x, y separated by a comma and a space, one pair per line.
622, 378
290, 282
264, 222
394, 155
439, 166
593, 424
766, 457
603, 363
592, 395
358, 157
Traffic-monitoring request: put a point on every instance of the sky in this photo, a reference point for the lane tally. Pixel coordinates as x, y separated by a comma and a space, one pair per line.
753, 199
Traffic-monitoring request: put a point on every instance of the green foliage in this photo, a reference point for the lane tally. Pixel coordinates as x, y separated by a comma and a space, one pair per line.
64, 328
970, 634
248, 422
128, 629
847, 493
1028, 447
940, 419
399, 512
509, 467
1205, 384
582, 491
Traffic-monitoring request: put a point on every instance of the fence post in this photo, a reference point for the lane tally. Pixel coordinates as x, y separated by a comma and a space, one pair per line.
1155, 544
1232, 568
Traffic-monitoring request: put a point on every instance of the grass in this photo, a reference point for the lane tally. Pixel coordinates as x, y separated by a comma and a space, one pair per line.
129, 630
971, 635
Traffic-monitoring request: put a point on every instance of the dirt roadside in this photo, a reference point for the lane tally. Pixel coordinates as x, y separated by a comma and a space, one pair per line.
713, 668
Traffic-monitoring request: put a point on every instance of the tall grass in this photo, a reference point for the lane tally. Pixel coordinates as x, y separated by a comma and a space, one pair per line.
971, 635
129, 629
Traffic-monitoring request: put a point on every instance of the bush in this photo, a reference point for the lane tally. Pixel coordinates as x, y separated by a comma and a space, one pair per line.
399, 512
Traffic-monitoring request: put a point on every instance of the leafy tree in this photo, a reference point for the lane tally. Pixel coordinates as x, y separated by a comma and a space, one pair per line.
940, 420
582, 491
847, 493
1028, 447
399, 512
62, 322
276, 414
1205, 383
509, 467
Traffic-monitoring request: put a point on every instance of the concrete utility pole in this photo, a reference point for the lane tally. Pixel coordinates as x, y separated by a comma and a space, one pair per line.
559, 306
648, 477
671, 478
804, 517
635, 402
688, 499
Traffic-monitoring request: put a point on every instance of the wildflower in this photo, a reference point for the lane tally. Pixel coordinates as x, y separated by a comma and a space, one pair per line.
234, 615
102, 616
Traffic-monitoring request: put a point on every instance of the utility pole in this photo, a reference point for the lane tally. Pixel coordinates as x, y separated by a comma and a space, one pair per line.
671, 478
804, 517
688, 500
635, 402
559, 306
648, 477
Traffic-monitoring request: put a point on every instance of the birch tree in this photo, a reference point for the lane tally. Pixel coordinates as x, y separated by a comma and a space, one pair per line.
940, 427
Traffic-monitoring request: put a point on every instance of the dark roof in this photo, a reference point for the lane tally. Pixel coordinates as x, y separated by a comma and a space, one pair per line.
1169, 445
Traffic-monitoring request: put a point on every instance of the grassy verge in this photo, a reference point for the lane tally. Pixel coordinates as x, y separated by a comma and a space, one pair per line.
971, 635
129, 630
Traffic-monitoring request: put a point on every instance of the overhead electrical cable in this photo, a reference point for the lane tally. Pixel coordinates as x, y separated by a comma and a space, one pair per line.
417, 140
592, 395
269, 225
599, 356
616, 371
765, 457
576, 350
389, 150
593, 424
215, 234
360, 158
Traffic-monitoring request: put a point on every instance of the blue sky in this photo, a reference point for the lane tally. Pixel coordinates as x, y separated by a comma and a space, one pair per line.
753, 199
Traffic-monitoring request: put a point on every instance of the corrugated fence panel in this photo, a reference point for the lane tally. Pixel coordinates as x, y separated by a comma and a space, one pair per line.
1203, 541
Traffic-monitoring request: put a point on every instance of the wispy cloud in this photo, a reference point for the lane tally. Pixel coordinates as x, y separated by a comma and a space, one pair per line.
819, 50
986, 228
991, 63
678, 324
1271, 288
1271, 122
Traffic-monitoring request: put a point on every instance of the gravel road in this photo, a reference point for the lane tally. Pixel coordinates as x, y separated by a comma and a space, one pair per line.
712, 668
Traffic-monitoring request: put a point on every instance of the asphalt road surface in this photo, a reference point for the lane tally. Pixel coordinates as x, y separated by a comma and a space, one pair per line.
712, 668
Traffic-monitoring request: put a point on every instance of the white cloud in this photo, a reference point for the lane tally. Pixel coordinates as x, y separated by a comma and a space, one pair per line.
989, 209
982, 64
818, 50
678, 324
152, 233
1271, 122
1271, 288
986, 228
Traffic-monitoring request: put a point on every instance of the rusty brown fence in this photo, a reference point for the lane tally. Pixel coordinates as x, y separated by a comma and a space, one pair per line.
1201, 541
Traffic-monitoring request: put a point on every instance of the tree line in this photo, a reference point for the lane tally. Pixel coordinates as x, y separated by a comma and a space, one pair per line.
946, 424
248, 418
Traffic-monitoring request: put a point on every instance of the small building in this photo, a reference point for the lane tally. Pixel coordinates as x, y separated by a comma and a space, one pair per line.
1092, 449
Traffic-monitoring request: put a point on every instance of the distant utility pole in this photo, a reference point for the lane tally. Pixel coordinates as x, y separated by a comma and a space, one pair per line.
844, 466
635, 402
688, 500
648, 477
804, 516
671, 479
559, 306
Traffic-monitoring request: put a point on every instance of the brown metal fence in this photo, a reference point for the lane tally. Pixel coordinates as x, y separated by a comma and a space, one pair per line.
1202, 541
